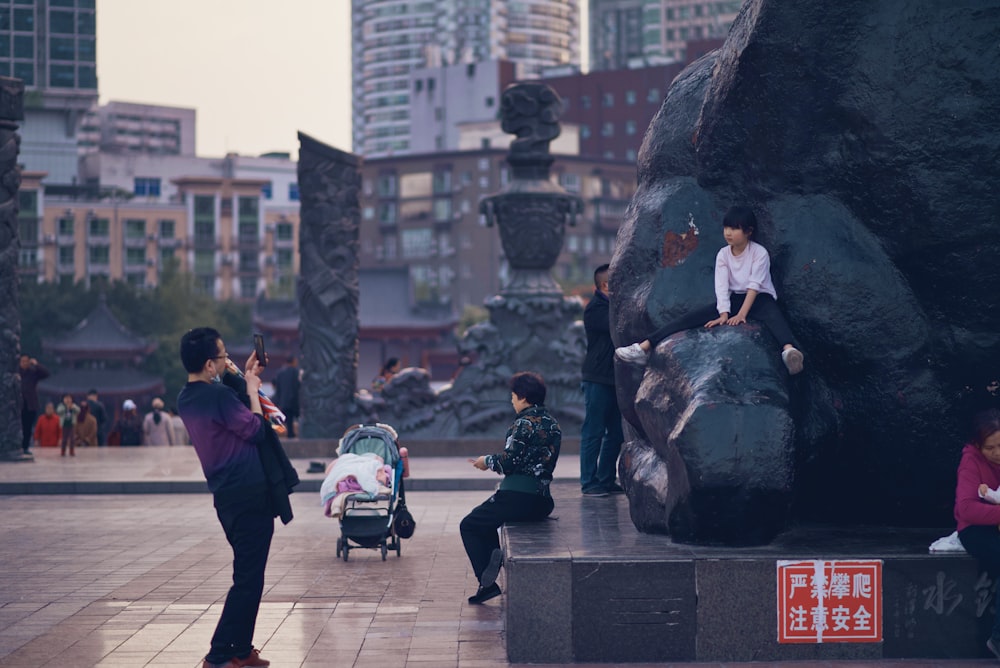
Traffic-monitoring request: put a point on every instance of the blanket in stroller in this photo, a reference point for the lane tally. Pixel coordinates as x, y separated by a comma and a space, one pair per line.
354, 474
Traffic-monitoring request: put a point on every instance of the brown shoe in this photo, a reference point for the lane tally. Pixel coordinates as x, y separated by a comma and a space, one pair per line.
228, 664
253, 659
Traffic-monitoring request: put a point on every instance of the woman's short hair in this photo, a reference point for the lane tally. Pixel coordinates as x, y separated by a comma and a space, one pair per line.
529, 386
984, 425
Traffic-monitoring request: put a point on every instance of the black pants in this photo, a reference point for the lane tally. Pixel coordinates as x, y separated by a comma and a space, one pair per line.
983, 543
27, 427
764, 309
249, 527
479, 528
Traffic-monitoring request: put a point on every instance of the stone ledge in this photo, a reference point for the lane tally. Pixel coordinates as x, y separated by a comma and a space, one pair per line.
588, 588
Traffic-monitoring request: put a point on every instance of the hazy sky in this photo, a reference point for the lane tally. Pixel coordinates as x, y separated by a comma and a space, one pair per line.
257, 71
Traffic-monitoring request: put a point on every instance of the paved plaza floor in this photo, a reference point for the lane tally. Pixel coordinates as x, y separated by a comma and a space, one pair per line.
133, 580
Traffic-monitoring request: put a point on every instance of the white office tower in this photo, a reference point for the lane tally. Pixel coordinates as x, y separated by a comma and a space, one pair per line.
390, 38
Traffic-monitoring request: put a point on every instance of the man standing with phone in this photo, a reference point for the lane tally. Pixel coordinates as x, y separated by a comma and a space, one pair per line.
226, 436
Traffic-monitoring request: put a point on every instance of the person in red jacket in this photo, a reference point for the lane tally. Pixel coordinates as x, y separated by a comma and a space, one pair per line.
979, 520
48, 430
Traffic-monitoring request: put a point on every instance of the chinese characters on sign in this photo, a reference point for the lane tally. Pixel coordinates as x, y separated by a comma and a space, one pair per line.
829, 601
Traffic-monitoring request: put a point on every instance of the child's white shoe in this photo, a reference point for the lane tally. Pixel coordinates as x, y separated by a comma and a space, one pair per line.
793, 360
633, 354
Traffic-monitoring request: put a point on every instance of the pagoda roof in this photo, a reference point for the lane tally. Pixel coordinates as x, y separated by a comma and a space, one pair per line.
99, 334
105, 381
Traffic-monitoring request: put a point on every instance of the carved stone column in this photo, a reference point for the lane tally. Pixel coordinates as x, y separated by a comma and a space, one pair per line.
329, 181
11, 111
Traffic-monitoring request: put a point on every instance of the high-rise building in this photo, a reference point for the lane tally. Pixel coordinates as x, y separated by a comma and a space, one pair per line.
52, 46
391, 38
636, 33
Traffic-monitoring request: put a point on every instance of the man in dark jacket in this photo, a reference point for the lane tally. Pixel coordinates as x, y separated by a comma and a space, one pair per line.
286, 393
100, 414
226, 436
601, 434
31, 373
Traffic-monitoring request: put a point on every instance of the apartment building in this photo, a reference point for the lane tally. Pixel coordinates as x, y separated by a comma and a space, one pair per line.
390, 39
421, 212
52, 46
129, 127
639, 33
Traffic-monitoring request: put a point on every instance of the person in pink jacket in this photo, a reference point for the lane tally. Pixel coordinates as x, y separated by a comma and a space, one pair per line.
979, 520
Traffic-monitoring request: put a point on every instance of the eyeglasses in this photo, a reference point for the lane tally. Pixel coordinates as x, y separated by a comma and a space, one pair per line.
221, 357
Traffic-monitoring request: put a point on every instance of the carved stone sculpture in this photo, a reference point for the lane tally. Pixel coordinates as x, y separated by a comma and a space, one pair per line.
11, 111
864, 135
532, 326
329, 182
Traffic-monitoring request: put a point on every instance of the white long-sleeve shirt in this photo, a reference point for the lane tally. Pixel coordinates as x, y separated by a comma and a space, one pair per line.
750, 270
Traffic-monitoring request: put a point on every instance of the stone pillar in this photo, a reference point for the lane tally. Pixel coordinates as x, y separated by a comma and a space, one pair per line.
329, 181
11, 111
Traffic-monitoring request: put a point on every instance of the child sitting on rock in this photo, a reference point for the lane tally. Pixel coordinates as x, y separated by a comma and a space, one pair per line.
742, 283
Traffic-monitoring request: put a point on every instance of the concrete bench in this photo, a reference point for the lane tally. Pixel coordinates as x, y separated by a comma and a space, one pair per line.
587, 587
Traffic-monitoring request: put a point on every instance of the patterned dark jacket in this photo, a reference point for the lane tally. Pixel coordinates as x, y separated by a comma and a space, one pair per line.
532, 446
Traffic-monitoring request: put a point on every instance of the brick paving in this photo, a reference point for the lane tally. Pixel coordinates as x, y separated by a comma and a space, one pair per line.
138, 580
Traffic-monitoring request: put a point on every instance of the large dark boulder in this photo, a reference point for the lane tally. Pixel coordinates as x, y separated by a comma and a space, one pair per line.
864, 134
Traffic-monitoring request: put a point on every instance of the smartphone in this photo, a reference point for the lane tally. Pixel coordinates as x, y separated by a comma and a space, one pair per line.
258, 346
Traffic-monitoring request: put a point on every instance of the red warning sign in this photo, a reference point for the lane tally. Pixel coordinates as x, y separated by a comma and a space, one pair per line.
829, 601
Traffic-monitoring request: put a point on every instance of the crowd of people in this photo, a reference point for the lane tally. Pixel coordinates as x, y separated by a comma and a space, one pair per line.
83, 422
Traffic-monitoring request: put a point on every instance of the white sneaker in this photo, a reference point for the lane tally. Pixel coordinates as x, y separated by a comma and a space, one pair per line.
632, 354
793, 360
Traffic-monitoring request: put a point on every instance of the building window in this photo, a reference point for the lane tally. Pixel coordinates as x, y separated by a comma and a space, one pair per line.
608, 100
166, 257
630, 97
442, 182
135, 228
62, 76
267, 190
67, 256
284, 231
100, 227
146, 186
387, 185
442, 210
248, 288
249, 209
293, 192
284, 258
100, 254
653, 96
630, 127
608, 129
135, 257
167, 230
66, 227
249, 233
387, 213
585, 101
584, 132
630, 155
571, 182
249, 262
204, 262
417, 243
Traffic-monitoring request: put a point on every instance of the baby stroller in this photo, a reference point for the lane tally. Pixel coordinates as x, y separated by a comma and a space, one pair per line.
366, 515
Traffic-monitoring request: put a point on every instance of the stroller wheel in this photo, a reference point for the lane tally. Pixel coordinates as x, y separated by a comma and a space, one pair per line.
385, 550
345, 549
399, 548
